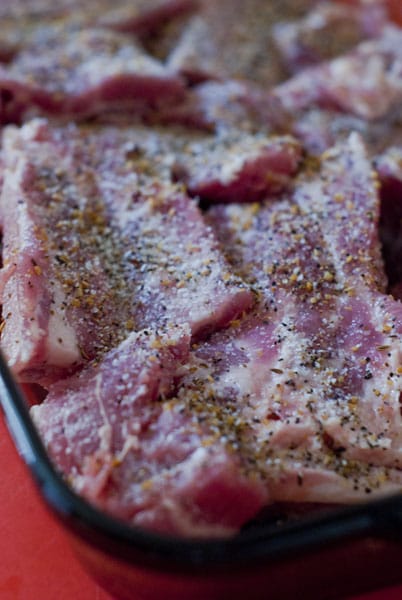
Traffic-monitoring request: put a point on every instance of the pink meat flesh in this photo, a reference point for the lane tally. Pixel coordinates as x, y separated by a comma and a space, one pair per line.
238, 167
323, 415
358, 92
222, 166
296, 400
203, 363
23, 21
91, 251
147, 461
83, 72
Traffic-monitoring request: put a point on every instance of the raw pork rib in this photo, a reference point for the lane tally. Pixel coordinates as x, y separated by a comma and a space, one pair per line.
149, 462
217, 166
94, 247
313, 380
298, 400
221, 105
83, 72
360, 91
237, 166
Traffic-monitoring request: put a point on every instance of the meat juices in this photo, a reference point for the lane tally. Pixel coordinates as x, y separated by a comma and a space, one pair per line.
195, 273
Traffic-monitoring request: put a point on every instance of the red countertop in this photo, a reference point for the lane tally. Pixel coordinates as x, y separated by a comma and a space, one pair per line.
35, 556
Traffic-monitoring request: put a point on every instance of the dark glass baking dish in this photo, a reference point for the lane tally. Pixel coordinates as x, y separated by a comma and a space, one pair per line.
331, 554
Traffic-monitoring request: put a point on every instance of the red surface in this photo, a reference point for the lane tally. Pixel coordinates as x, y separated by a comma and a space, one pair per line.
35, 557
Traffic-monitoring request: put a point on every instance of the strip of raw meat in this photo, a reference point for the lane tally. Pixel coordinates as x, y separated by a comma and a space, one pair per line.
367, 82
150, 462
359, 91
73, 72
232, 39
251, 378
322, 420
389, 168
95, 246
318, 129
377, 71
328, 30
376, 68
20, 22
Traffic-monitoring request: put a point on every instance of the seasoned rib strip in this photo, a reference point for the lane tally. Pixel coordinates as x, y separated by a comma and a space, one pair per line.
74, 72
376, 71
94, 247
323, 420
359, 91
140, 459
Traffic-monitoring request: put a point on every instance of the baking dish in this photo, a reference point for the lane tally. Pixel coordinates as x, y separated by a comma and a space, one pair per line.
326, 554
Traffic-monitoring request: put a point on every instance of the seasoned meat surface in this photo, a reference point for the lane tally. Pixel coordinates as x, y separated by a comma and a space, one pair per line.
148, 462
23, 21
333, 334
294, 389
200, 205
75, 72
91, 250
